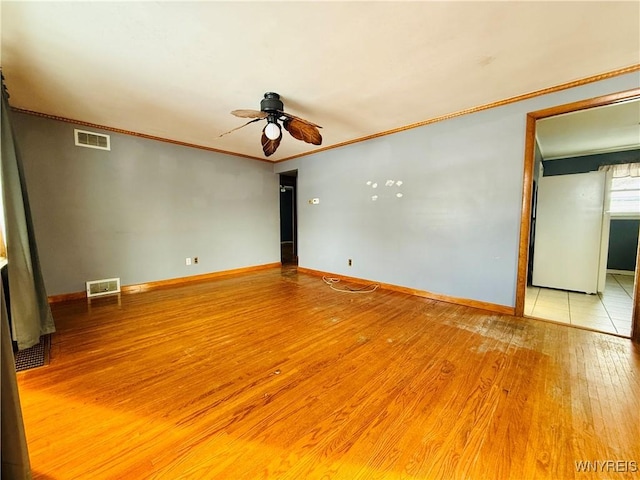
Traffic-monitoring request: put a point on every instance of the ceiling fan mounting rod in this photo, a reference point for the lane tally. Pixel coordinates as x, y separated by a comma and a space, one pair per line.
271, 103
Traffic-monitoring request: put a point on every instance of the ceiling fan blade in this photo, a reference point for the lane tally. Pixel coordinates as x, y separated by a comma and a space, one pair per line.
269, 147
288, 115
238, 128
249, 114
302, 130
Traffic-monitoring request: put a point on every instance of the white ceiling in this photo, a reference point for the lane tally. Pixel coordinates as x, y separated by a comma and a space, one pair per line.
611, 128
176, 69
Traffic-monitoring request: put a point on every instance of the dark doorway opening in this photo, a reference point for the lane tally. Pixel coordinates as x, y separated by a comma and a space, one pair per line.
288, 218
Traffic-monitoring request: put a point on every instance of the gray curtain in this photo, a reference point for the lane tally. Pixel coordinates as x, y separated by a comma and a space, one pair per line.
30, 312
13, 444
29, 308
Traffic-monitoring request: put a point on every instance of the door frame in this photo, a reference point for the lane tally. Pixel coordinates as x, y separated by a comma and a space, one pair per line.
527, 192
293, 185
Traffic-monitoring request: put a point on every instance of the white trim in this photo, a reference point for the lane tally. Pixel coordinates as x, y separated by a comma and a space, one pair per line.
625, 216
630, 273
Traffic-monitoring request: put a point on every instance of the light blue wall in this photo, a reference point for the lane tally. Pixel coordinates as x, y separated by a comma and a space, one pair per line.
455, 231
138, 211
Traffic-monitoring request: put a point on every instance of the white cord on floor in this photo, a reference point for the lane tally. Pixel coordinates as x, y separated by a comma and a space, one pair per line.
366, 289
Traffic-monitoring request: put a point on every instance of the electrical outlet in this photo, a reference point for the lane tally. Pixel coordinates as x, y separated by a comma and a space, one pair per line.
187, 261
195, 259
349, 261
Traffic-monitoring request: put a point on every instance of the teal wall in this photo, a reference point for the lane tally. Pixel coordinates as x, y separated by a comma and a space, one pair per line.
623, 244
588, 163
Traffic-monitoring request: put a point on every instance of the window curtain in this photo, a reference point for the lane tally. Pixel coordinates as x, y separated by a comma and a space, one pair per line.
13, 443
622, 170
29, 308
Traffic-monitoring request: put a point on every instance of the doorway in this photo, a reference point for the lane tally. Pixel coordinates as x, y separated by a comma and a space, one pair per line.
576, 278
288, 218
528, 210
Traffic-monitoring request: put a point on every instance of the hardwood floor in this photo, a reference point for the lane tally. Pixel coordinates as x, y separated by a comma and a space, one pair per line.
274, 375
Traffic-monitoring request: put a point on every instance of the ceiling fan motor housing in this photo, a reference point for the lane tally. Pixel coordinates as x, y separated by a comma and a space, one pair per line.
271, 103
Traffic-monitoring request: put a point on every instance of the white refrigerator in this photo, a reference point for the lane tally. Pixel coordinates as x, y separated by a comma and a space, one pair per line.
569, 237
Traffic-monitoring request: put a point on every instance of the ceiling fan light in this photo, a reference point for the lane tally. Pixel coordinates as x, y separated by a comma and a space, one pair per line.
272, 131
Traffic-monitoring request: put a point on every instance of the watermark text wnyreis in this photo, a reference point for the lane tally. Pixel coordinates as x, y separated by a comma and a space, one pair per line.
607, 466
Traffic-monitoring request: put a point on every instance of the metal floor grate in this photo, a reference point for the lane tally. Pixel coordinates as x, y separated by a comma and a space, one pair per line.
33, 357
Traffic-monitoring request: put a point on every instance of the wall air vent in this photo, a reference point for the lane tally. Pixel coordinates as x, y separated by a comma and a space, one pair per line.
106, 286
92, 139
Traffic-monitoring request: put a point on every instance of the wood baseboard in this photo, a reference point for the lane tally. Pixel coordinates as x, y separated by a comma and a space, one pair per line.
492, 307
65, 297
171, 282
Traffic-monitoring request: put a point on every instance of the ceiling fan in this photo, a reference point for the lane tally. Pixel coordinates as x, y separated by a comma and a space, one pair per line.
271, 108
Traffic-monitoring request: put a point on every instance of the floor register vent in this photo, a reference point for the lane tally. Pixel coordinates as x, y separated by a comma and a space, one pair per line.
107, 286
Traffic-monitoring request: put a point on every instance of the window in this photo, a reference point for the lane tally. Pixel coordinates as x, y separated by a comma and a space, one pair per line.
625, 196
625, 189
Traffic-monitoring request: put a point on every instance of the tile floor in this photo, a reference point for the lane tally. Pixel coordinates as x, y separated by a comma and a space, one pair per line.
609, 311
